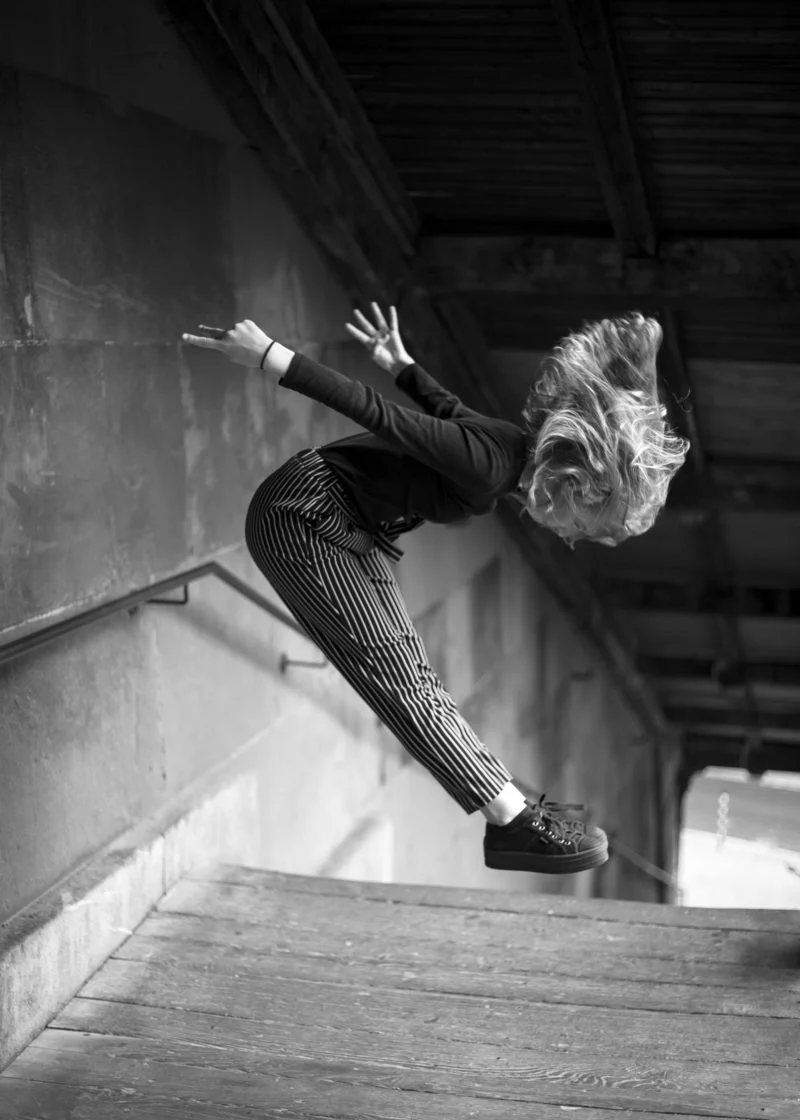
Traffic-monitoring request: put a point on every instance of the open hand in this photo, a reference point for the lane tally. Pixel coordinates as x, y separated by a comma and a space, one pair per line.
382, 339
243, 344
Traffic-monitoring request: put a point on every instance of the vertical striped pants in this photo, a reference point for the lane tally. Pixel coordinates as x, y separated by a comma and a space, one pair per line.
338, 580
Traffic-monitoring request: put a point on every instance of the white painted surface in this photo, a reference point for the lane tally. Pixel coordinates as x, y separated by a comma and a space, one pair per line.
737, 873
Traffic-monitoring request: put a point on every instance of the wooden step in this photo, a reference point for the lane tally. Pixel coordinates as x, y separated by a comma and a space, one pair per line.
257, 994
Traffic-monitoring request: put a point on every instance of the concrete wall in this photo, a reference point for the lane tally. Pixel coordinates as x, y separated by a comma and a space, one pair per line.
133, 210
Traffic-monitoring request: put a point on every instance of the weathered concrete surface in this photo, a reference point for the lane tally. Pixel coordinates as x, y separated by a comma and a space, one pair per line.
121, 51
95, 481
127, 215
139, 225
48, 950
106, 448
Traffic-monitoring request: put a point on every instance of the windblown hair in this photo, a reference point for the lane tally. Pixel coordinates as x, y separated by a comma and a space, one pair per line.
602, 455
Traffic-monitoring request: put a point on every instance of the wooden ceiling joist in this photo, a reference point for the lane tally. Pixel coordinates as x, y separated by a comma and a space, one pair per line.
701, 750
283, 87
673, 670
681, 272
745, 601
742, 486
699, 716
599, 77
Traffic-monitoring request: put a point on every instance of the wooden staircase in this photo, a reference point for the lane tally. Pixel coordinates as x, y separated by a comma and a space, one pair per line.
249, 994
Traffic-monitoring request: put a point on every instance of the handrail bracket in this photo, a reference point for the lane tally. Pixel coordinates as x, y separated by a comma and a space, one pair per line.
173, 602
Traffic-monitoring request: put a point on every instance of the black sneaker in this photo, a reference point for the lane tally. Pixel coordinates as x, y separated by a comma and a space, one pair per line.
539, 839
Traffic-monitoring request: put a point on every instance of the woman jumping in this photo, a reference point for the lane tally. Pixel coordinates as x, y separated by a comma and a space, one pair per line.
592, 461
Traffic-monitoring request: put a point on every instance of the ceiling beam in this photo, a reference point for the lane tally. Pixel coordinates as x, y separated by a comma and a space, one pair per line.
273, 71
682, 272
757, 331
667, 670
700, 751
745, 601
697, 716
599, 77
741, 486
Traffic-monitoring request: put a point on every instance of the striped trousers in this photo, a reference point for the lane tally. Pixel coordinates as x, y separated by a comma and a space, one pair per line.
339, 582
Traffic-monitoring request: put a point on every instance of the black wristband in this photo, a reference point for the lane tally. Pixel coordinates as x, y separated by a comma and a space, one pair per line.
261, 366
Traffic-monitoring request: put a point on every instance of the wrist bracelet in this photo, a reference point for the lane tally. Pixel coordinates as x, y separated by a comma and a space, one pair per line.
261, 365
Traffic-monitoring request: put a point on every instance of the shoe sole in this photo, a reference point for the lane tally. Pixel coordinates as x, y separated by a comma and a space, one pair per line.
547, 865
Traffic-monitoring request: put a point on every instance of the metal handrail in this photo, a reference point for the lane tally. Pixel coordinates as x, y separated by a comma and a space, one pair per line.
131, 602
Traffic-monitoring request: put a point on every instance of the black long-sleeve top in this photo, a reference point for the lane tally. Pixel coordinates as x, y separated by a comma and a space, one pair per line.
441, 465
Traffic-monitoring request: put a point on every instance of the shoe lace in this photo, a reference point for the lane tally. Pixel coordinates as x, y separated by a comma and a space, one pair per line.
562, 828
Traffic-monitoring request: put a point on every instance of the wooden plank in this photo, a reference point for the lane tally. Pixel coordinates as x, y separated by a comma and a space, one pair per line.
193, 1092
288, 1098
488, 902
252, 904
754, 972
390, 1053
491, 1065
681, 271
599, 78
296, 1004
548, 976
374, 925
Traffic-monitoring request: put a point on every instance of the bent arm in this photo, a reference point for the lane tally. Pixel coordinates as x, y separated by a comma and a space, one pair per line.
415, 382
425, 391
458, 450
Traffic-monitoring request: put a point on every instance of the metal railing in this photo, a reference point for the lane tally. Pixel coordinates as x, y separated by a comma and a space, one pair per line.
18, 647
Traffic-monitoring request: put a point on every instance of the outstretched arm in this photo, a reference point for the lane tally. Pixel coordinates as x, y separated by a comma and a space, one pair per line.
457, 447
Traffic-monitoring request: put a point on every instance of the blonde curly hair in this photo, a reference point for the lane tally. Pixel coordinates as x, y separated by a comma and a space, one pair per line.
602, 455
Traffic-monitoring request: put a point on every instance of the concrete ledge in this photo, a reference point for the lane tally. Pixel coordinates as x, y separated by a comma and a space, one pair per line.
50, 949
